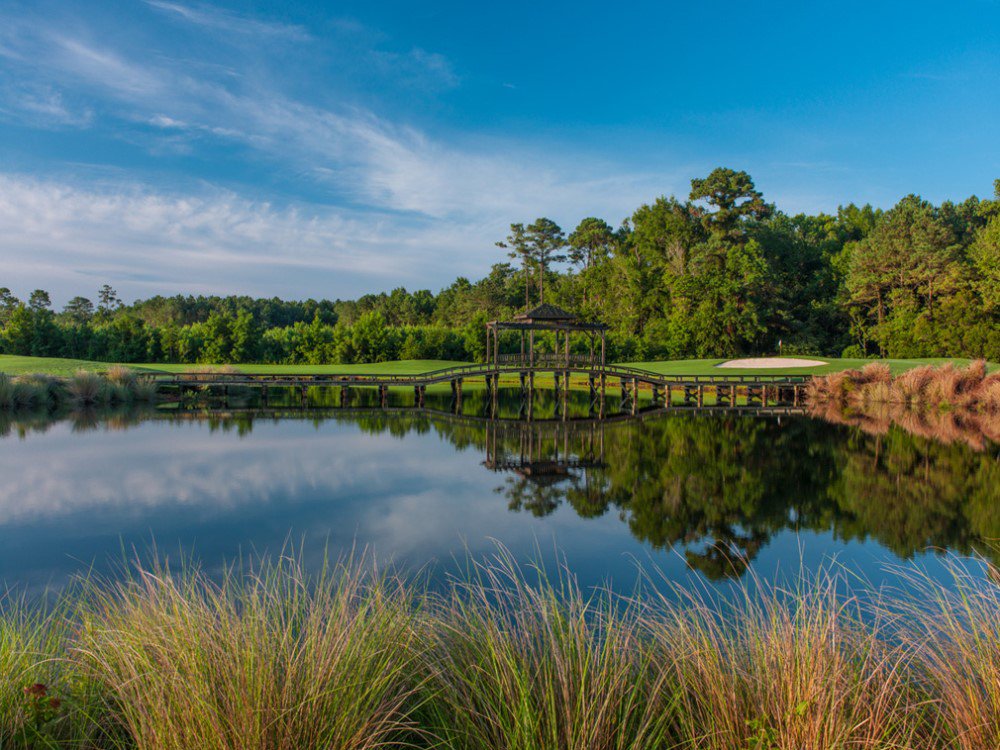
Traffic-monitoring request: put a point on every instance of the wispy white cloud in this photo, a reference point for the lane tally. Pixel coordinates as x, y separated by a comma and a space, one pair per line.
42, 106
417, 68
221, 20
215, 242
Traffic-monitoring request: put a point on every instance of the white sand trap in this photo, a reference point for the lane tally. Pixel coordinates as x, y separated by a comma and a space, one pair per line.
760, 363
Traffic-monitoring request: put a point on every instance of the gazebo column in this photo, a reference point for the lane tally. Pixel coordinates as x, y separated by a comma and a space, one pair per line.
567, 348
602, 349
522, 346
531, 348
496, 347
487, 343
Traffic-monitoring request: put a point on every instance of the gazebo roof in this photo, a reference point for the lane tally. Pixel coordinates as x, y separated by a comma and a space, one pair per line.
546, 314
546, 318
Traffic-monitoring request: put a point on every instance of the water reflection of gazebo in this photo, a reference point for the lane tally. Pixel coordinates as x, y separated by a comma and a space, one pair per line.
545, 318
544, 452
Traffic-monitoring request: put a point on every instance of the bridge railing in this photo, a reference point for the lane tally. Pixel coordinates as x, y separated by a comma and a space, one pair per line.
578, 364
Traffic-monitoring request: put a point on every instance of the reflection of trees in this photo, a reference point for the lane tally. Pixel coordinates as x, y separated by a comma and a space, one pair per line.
721, 488
913, 492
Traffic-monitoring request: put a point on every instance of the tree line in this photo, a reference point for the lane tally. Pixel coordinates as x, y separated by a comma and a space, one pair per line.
720, 273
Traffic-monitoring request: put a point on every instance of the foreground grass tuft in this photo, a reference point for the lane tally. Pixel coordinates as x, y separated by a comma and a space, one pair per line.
266, 660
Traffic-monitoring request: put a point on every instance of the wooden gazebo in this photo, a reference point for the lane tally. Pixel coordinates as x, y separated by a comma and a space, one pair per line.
545, 318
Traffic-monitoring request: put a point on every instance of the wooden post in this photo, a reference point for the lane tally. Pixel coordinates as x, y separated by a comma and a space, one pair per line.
701, 395
263, 395
522, 346
567, 348
531, 349
305, 389
602, 349
496, 348
345, 395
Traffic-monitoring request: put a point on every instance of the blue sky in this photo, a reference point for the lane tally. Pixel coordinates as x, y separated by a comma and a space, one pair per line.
321, 149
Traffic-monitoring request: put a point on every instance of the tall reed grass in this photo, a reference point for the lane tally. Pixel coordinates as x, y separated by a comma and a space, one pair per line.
503, 658
946, 403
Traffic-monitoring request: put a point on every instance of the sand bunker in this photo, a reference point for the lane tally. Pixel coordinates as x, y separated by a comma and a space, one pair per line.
758, 363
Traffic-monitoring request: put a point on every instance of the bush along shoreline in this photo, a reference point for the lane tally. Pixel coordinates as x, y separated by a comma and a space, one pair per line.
117, 385
946, 403
503, 658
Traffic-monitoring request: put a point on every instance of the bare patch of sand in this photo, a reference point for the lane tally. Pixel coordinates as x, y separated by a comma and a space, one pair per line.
760, 363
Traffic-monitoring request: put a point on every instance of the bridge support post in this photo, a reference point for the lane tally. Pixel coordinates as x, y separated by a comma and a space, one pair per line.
345, 396
635, 395
263, 396
383, 392
795, 395
304, 396
701, 395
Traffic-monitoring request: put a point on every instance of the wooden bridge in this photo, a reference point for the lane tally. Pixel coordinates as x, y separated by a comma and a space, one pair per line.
753, 391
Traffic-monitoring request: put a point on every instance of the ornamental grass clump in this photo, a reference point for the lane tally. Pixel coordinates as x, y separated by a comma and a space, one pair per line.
952, 626
260, 660
121, 375
776, 669
45, 390
87, 388
537, 665
144, 390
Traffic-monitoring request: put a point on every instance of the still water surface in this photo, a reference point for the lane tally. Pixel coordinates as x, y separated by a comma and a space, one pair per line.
698, 497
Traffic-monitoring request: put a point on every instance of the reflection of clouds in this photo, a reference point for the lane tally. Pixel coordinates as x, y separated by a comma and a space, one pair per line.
158, 466
73, 499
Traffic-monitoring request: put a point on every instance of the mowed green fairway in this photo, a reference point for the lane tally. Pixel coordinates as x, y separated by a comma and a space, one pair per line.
16, 365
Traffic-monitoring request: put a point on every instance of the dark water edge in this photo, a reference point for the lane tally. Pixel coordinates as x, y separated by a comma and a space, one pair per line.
698, 498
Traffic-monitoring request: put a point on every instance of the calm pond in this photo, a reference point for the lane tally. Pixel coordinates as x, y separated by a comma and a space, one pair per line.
701, 497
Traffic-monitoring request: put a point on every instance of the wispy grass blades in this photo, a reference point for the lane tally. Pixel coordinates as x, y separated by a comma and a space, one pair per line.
266, 660
521, 661
776, 668
952, 626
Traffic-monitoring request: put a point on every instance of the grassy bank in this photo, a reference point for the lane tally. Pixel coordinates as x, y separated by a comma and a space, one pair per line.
502, 659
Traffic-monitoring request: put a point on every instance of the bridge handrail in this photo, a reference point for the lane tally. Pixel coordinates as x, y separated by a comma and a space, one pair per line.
473, 369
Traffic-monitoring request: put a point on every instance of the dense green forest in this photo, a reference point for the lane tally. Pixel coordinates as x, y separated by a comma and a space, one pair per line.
721, 273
